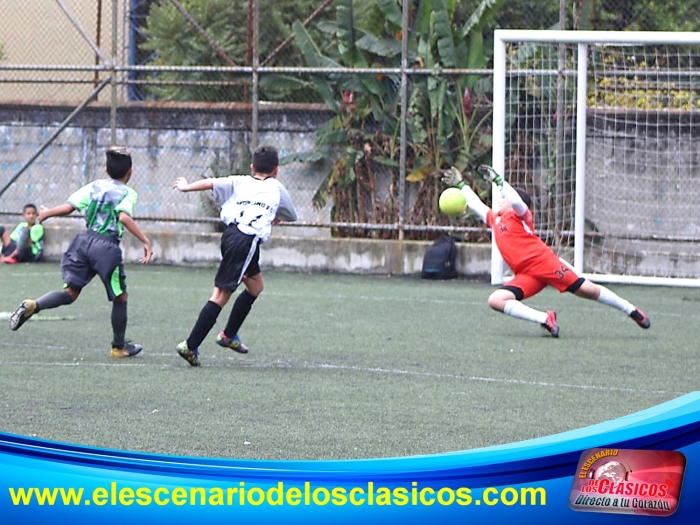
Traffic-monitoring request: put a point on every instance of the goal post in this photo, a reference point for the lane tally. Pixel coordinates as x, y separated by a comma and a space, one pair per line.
601, 129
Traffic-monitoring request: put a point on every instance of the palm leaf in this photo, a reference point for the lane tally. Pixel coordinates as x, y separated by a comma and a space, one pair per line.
384, 47
307, 156
372, 85
418, 175
385, 161
345, 31
391, 11
484, 8
314, 58
476, 57
441, 30
421, 26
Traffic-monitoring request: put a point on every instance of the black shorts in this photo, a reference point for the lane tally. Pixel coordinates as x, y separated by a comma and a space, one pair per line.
25, 255
240, 254
9, 249
91, 254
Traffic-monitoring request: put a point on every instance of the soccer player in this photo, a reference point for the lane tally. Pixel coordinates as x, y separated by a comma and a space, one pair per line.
534, 264
109, 206
26, 242
250, 205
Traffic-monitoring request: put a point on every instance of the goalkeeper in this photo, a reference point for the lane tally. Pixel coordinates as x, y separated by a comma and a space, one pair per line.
534, 263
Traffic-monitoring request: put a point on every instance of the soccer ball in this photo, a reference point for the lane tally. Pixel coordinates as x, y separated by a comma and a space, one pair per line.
452, 202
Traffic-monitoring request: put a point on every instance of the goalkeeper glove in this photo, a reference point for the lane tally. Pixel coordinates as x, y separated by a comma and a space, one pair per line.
453, 177
490, 174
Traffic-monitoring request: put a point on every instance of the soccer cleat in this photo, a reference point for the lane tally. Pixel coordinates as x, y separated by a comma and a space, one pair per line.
640, 318
234, 343
191, 356
23, 312
10, 260
129, 349
551, 324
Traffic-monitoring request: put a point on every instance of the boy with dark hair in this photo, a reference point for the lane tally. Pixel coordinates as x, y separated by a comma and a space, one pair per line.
26, 242
109, 206
534, 263
250, 205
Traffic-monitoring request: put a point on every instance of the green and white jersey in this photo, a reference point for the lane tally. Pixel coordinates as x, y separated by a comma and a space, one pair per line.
36, 234
103, 200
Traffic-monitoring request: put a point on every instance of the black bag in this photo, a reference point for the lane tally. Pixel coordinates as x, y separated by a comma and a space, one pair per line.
439, 260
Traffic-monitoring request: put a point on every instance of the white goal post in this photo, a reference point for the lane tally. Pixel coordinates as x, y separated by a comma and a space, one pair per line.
603, 130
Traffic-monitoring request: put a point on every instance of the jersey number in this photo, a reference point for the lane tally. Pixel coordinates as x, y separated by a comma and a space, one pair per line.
561, 272
248, 221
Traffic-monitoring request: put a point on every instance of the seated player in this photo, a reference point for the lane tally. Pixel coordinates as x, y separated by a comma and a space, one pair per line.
534, 263
26, 242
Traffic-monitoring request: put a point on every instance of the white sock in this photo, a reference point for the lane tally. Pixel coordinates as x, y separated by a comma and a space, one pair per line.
521, 311
612, 299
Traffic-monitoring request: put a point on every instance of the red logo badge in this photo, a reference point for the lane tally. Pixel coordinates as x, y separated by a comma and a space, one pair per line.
619, 481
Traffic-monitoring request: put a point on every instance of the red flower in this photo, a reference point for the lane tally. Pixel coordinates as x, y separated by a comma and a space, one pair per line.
467, 102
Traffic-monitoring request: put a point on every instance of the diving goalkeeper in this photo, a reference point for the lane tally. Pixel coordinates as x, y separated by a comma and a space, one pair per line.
534, 263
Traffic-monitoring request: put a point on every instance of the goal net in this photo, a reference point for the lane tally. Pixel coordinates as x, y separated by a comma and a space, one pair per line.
602, 128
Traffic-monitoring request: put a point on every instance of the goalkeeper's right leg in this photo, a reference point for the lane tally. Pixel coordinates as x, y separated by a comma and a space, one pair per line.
507, 299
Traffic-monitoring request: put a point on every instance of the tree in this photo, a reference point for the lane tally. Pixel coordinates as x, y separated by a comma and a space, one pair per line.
646, 15
362, 139
173, 40
528, 14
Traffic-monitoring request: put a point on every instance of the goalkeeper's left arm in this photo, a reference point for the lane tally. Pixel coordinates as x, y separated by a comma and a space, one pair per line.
507, 191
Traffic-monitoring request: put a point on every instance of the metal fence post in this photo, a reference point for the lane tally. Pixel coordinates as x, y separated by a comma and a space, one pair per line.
404, 114
255, 79
113, 73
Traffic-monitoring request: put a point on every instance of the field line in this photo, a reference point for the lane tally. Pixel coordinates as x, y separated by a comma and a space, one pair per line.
491, 379
329, 366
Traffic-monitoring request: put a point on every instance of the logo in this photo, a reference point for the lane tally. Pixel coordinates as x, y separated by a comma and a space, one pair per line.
619, 481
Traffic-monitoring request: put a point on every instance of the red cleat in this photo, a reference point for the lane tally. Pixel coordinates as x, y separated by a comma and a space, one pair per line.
551, 324
640, 318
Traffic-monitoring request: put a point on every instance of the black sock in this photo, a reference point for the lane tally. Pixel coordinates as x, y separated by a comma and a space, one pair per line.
118, 323
239, 312
53, 300
205, 322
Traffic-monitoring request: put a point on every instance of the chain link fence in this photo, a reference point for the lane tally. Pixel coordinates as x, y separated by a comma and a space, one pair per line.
367, 101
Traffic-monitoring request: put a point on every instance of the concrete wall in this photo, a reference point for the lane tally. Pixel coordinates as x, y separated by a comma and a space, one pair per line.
652, 198
166, 140
365, 256
288, 253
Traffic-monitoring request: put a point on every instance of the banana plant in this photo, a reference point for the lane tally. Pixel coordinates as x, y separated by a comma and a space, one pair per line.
362, 138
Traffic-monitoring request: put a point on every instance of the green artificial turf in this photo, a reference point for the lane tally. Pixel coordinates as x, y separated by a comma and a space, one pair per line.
340, 366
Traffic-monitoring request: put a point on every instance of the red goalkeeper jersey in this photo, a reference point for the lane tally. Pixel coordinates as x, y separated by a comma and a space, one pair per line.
516, 239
